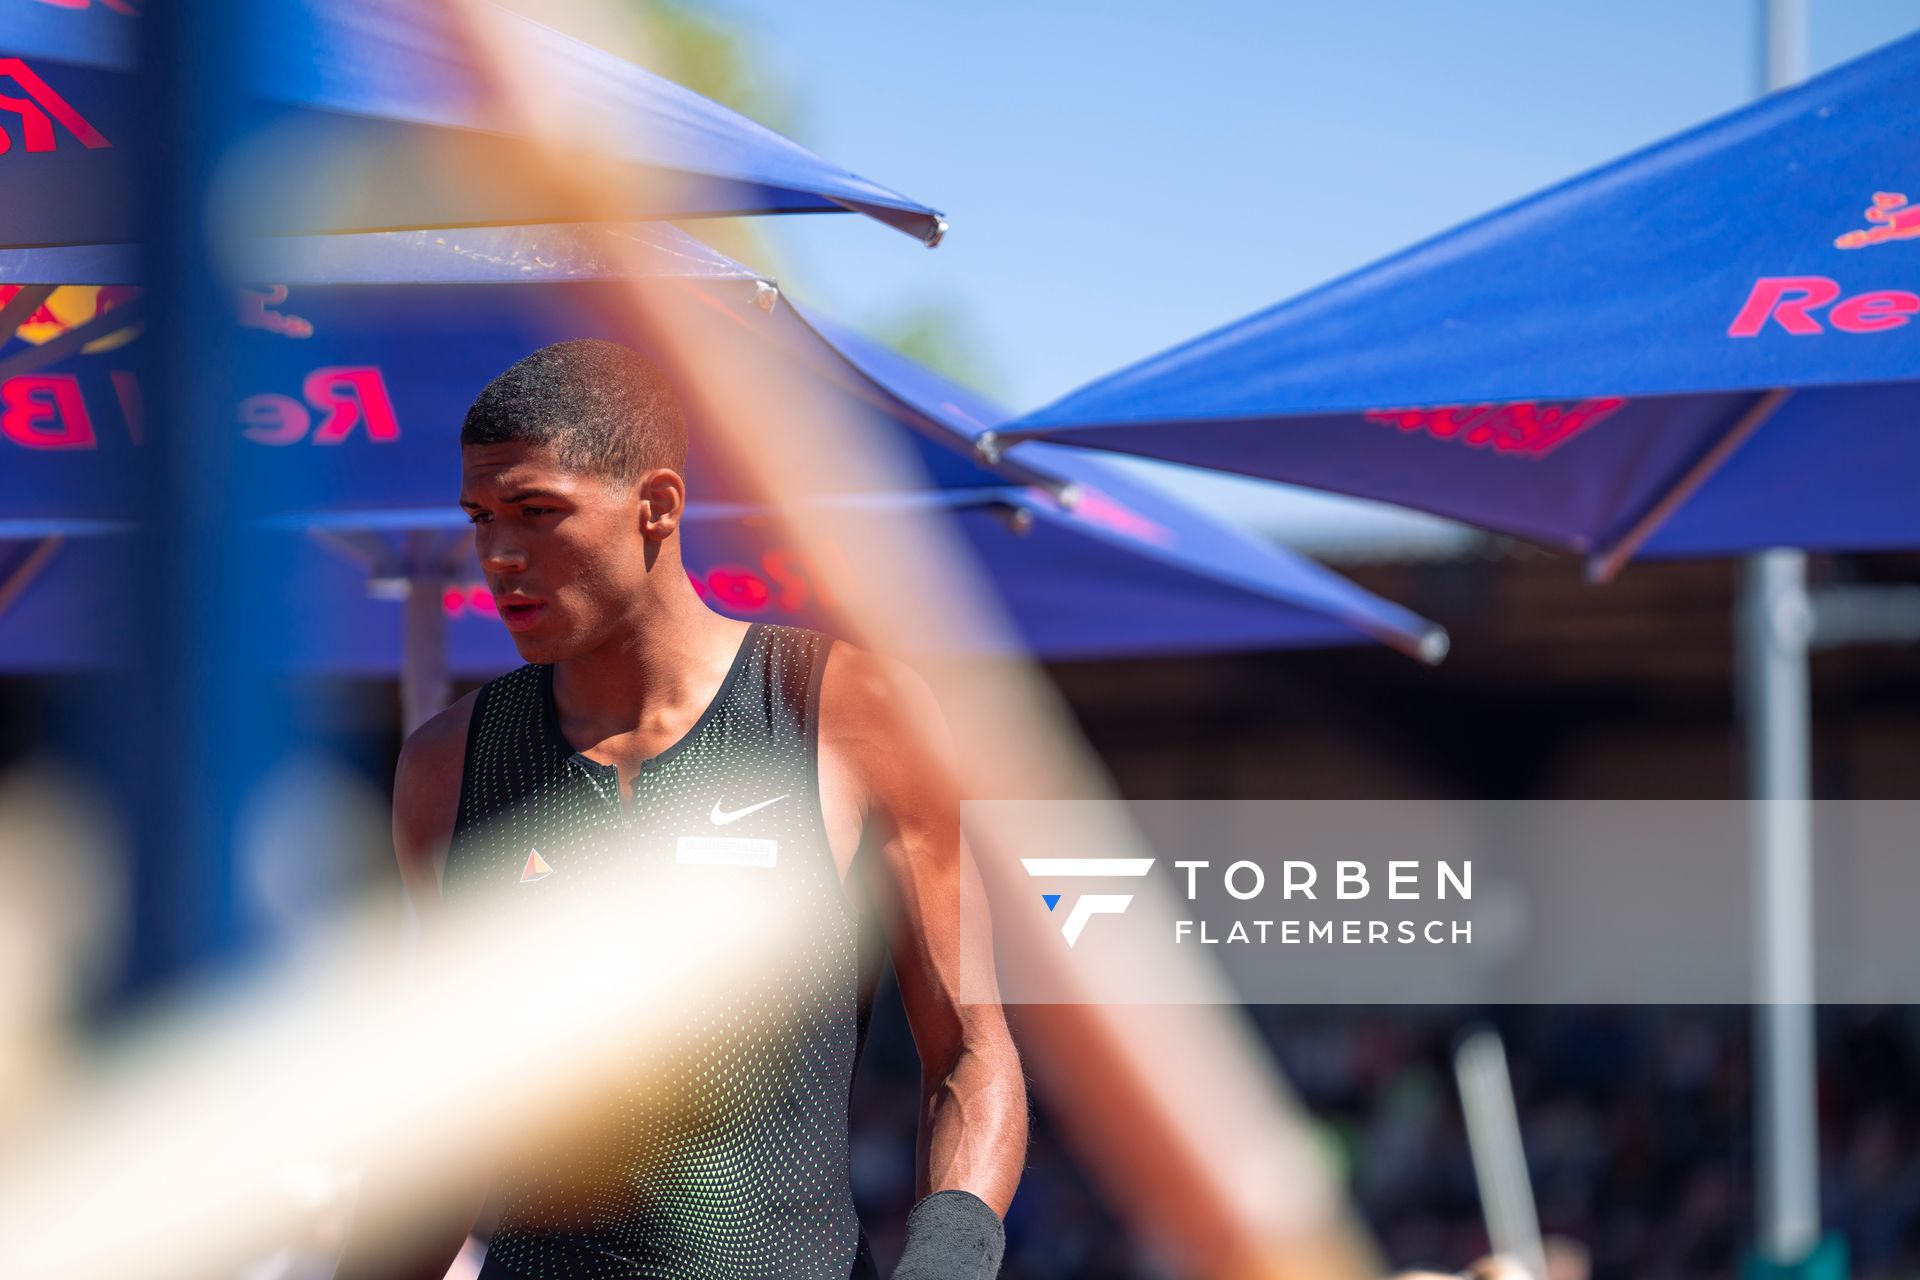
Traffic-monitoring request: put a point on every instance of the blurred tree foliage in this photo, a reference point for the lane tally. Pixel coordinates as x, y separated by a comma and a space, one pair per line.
940, 334
703, 51
701, 48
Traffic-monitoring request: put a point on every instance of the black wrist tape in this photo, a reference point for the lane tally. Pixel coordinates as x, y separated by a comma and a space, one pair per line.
952, 1235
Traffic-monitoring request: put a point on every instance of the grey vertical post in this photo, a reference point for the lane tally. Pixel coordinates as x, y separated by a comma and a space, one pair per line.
1774, 628
424, 685
1774, 631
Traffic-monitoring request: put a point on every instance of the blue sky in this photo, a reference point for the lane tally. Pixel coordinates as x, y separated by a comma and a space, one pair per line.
1122, 176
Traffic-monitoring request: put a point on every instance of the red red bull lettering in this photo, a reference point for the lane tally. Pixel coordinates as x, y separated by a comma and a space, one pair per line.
1526, 429
1790, 301
39, 111
346, 397
131, 8
45, 411
784, 582
738, 588
1097, 508
350, 396
473, 597
796, 587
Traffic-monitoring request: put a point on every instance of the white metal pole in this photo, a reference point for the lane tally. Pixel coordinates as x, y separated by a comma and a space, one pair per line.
1784, 58
1499, 1156
1774, 630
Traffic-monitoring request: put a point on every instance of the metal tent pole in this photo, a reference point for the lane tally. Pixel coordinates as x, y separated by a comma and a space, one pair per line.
1774, 629
1773, 633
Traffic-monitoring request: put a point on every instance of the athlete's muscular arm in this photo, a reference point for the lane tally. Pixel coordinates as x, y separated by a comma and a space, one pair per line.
881, 727
399, 1233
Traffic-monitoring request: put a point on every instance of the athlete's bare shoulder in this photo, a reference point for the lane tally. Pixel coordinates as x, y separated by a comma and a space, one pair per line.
864, 695
426, 797
881, 723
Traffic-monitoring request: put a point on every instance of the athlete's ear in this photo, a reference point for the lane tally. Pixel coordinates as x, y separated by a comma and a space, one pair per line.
663, 500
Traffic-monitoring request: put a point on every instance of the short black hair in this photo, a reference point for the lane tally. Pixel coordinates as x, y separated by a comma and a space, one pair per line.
603, 409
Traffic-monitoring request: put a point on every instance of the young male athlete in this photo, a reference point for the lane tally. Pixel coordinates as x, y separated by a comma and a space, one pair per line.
646, 726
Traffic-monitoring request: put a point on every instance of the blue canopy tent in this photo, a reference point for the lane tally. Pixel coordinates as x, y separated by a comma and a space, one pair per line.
1605, 366
374, 116
366, 360
1704, 348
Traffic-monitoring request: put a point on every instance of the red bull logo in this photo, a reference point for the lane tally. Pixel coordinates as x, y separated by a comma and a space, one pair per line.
472, 597
1794, 303
130, 8
778, 582
1096, 507
1790, 302
69, 307
781, 581
45, 411
49, 411
1893, 218
39, 110
257, 311
345, 398
1526, 429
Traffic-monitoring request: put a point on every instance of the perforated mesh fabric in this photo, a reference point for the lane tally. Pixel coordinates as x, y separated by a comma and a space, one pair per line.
729, 1158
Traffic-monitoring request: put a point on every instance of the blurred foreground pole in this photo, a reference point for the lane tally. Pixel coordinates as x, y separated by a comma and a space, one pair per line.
1774, 628
175, 737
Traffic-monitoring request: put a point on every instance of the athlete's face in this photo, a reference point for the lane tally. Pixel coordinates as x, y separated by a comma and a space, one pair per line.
566, 553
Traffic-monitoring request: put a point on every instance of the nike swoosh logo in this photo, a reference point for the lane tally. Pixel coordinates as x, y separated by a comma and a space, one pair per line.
720, 817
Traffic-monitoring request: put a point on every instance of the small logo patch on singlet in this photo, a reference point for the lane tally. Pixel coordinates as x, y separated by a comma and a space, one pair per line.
721, 817
726, 851
536, 868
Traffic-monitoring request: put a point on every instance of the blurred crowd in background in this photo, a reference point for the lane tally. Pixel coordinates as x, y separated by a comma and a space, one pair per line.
1635, 1120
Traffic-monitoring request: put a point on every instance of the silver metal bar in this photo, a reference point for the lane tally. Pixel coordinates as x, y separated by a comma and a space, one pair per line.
1844, 616
1499, 1158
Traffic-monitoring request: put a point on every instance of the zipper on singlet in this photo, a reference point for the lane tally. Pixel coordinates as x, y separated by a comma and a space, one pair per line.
606, 778
601, 776
640, 781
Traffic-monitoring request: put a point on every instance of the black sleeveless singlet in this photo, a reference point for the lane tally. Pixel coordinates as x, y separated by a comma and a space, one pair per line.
735, 1163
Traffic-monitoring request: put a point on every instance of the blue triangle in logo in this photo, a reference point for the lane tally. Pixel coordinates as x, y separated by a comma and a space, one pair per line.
1051, 899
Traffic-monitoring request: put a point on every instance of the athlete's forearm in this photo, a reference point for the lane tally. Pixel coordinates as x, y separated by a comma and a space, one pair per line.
973, 1122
